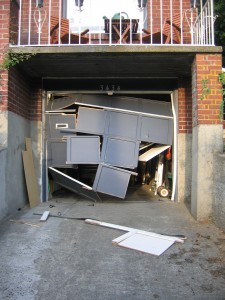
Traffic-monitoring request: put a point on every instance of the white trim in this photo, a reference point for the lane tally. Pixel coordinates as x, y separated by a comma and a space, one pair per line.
174, 149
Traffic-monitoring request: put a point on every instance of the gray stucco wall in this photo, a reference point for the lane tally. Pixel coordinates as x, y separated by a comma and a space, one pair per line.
219, 190
3, 201
16, 193
13, 130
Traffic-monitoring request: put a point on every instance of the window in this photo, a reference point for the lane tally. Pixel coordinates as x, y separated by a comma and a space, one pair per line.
91, 14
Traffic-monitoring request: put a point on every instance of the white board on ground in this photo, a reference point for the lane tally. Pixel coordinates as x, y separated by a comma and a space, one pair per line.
145, 243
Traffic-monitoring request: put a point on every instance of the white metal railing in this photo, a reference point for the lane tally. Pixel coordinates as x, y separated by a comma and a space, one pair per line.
203, 27
106, 22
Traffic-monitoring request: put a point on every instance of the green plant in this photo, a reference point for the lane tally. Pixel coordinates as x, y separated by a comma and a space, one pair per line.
11, 59
222, 80
205, 88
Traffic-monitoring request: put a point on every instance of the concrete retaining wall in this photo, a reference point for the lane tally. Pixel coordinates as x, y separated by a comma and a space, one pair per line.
16, 193
206, 142
13, 186
219, 190
184, 168
3, 199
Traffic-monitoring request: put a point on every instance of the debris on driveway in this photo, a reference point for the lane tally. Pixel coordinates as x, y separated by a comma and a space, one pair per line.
144, 241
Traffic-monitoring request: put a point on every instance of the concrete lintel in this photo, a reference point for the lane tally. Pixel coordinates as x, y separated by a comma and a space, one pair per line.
143, 48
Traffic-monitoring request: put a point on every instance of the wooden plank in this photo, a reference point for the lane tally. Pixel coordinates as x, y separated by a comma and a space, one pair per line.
152, 153
30, 176
44, 216
123, 237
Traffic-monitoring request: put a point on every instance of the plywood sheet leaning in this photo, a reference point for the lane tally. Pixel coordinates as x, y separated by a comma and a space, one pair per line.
30, 176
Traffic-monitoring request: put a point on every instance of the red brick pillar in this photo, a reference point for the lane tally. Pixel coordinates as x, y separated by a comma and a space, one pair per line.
207, 136
4, 41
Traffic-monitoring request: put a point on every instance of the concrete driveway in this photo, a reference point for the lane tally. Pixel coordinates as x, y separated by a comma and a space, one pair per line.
69, 259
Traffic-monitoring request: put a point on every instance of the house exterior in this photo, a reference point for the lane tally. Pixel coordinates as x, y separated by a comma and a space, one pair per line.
159, 50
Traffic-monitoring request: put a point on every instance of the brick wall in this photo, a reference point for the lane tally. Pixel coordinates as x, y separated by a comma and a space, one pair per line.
4, 40
24, 96
185, 106
206, 89
17, 93
36, 103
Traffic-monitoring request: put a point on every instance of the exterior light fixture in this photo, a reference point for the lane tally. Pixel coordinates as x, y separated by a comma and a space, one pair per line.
142, 3
39, 3
79, 3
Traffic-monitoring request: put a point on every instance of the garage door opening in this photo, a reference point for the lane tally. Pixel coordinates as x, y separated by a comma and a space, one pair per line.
100, 145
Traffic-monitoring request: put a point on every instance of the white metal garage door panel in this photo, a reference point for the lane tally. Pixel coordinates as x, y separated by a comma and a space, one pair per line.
120, 153
83, 149
111, 180
91, 120
156, 130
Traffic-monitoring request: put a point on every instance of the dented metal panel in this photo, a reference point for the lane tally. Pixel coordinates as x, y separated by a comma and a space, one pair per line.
137, 105
83, 149
156, 130
57, 122
57, 153
91, 120
73, 184
123, 125
120, 152
111, 180
60, 103
159, 108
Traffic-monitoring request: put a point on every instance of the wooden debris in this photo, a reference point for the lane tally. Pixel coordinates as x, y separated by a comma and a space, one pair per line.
25, 222
44, 216
140, 240
129, 229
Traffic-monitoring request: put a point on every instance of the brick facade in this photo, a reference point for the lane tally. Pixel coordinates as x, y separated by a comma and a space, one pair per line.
206, 89
185, 107
4, 41
18, 94
24, 97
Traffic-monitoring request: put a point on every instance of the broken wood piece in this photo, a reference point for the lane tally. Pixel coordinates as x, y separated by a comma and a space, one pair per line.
44, 216
24, 222
129, 229
61, 217
123, 237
